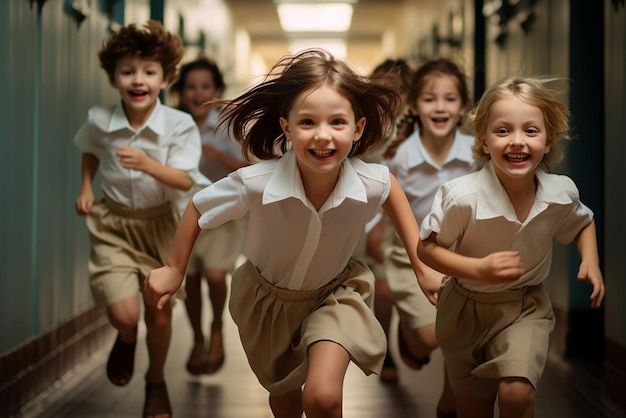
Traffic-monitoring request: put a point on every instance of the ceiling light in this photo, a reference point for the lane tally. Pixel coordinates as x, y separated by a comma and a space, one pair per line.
315, 17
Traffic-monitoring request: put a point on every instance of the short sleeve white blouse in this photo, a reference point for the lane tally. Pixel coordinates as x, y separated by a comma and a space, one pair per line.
169, 136
420, 177
293, 245
474, 214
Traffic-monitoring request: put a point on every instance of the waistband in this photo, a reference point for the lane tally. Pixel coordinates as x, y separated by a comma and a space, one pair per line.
510, 295
142, 213
301, 295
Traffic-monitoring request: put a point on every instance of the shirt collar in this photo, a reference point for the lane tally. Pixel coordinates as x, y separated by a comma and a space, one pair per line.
119, 120
417, 154
285, 182
493, 200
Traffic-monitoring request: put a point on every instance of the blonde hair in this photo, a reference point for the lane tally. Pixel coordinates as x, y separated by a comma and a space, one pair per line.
536, 92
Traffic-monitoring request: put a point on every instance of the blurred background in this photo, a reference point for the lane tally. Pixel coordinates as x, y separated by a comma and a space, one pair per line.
50, 76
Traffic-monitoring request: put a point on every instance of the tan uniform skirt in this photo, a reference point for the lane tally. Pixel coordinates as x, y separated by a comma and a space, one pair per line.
414, 309
277, 325
218, 248
126, 244
485, 337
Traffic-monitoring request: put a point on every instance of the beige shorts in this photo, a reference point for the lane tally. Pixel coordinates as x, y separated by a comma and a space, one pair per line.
277, 325
414, 309
485, 337
218, 248
126, 244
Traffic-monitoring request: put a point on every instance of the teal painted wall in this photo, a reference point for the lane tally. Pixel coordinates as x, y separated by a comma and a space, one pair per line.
51, 76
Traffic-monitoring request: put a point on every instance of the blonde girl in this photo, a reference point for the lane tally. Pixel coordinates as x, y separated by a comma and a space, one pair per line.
492, 233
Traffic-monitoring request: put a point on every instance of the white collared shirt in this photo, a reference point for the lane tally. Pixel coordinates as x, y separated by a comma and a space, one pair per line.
475, 213
218, 138
169, 136
293, 245
420, 177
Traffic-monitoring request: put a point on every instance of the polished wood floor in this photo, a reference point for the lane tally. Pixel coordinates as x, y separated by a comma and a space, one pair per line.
567, 390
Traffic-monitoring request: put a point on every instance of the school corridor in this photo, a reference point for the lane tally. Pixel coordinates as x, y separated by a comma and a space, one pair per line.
569, 388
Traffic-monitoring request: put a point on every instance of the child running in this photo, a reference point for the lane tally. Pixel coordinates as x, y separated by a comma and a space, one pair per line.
144, 151
301, 302
216, 250
428, 150
491, 232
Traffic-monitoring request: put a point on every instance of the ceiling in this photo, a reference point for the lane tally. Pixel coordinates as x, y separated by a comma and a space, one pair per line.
370, 20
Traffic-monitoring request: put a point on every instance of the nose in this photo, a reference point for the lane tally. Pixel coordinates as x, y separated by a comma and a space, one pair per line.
322, 132
137, 79
516, 139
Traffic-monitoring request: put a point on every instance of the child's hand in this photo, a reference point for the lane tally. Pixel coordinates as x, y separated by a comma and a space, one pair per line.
430, 282
501, 267
160, 285
591, 274
133, 158
84, 202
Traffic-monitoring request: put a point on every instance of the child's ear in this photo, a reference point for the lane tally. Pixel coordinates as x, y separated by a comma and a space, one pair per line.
358, 129
165, 83
284, 124
548, 147
483, 142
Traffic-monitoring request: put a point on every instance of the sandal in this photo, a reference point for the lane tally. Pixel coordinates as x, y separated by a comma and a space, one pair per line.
212, 366
444, 414
389, 372
194, 367
121, 362
409, 359
157, 400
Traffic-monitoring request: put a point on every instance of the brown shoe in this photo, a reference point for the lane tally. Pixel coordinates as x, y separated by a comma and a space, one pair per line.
157, 401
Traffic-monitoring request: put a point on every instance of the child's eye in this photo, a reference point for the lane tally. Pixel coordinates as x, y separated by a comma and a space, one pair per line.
307, 122
338, 122
501, 131
532, 131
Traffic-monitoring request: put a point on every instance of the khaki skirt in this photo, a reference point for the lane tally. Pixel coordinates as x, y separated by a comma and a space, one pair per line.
414, 308
126, 244
218, 248
277, 325
485, 337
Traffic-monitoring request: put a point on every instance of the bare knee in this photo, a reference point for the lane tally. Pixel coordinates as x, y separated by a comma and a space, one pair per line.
288, 405
322, 401
124, 314
516, 397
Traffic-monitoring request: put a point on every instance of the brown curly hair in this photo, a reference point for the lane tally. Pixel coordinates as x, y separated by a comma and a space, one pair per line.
255, 115
152, 42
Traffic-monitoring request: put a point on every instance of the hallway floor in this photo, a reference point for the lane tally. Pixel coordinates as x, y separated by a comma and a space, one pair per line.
567, 390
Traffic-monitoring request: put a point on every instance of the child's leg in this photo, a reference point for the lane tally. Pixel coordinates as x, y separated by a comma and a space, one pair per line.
323, 391
288, 405
159, 332
123, 316
193, 306
216, 280
516, 398
474, 408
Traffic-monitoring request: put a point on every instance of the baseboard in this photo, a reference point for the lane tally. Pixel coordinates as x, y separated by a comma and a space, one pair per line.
31, 368
615, 370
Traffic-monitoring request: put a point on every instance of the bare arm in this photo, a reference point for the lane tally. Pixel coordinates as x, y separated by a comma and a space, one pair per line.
89, 167
399, 210
161, 284
589, 270
134, 159
212, 153
498, 267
